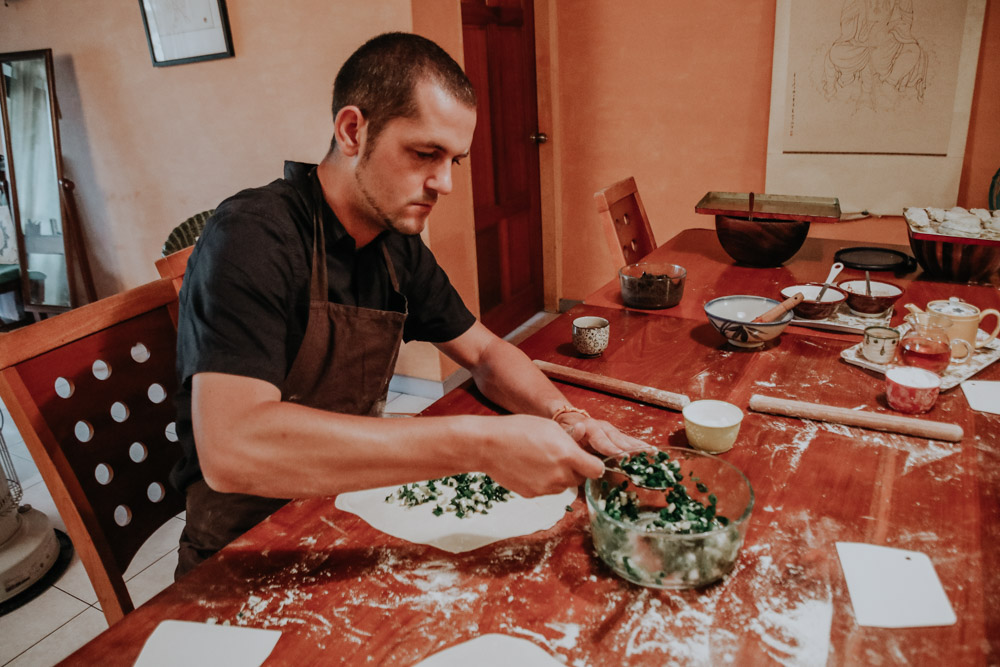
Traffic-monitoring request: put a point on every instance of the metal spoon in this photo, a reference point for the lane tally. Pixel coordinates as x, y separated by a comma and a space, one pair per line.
834, 272
635, 480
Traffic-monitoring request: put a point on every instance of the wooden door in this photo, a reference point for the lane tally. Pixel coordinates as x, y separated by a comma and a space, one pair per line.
500, 61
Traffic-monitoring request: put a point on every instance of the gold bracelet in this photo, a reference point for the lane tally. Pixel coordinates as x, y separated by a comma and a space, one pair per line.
569, 408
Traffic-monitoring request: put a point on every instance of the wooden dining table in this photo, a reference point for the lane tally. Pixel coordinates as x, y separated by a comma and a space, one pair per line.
342, 592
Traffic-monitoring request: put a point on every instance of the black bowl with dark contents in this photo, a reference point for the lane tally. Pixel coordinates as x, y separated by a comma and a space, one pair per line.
651, 285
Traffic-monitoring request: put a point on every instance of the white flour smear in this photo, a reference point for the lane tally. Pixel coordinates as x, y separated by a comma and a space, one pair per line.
789, 623
790, 627
697, 384
919, 452
438, 589
278, 606
753, 604
802, 438
570, 635
795, 633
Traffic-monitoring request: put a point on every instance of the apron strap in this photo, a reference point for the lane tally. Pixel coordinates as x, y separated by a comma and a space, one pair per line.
318, 280
390, 268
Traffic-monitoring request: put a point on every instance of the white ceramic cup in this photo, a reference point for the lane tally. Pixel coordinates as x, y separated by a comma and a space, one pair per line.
712, 426
591, 335
879, 344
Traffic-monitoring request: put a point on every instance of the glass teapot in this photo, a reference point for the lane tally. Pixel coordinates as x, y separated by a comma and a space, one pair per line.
928, 345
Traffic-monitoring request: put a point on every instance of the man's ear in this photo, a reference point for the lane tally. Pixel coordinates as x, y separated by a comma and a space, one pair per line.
350, 129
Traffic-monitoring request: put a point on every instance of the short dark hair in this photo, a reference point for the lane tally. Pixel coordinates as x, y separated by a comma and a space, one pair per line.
379, 78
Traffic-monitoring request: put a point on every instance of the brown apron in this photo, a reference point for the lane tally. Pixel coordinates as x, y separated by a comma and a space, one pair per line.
351, 377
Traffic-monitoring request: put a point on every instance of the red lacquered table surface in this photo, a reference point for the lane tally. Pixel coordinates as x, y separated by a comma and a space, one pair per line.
341, 592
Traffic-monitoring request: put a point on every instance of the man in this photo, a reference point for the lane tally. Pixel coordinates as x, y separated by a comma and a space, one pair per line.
296, 298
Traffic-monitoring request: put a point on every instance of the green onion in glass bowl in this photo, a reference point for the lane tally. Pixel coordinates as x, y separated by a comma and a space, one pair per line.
686, 536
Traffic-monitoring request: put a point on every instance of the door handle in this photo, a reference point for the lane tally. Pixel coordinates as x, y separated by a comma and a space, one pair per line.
538, 137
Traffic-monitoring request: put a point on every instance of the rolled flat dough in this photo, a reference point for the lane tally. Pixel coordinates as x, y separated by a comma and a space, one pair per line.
517, 516
492, 651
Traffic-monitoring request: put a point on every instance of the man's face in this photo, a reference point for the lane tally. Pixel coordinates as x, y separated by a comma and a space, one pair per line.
402, 173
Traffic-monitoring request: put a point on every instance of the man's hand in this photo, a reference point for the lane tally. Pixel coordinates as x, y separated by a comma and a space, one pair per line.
534, 456
600, 436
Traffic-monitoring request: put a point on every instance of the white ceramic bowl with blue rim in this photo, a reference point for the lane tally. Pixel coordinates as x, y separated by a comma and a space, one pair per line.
732, 316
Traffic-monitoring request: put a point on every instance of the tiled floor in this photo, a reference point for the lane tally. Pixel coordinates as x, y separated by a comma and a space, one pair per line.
66, 616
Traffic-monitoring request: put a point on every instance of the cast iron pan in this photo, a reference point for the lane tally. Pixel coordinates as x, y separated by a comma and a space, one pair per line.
868, 258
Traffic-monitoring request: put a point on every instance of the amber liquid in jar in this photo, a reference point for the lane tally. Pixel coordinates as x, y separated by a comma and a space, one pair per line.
934, 355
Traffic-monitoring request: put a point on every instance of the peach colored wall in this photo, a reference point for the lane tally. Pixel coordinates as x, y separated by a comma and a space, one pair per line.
149, 147
676, 94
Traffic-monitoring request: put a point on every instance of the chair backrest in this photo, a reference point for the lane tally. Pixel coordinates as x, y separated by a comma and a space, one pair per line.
625, 223
174, 265
186, 233
91, 392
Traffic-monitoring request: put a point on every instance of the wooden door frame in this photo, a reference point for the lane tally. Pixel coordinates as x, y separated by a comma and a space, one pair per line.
549, 163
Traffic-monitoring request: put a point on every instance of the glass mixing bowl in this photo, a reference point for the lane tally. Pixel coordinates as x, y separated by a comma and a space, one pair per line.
659, 557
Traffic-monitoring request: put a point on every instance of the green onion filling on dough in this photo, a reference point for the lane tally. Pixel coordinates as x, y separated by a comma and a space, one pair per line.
464, 494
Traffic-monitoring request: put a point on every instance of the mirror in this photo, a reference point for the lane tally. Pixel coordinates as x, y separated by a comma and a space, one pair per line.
39, 213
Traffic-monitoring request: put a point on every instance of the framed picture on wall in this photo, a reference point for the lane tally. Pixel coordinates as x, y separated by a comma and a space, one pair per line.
871, 100
186, 31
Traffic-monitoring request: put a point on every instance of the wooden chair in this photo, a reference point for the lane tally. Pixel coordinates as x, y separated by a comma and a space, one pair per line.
91, 391
625, 223
173, 266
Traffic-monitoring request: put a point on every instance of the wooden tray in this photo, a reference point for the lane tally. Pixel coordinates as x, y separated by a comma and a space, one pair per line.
845, 321
775, 207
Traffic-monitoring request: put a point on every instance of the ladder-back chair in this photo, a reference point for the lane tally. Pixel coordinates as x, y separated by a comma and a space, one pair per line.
625, 223
91, 392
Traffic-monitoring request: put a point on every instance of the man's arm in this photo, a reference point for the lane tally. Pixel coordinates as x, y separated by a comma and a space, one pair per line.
249, 441
507, 377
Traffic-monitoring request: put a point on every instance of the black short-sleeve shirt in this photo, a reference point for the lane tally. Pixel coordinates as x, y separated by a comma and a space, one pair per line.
245, 297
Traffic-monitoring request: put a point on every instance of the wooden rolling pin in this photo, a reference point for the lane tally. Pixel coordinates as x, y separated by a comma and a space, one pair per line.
781, 308
873, 420
638, 392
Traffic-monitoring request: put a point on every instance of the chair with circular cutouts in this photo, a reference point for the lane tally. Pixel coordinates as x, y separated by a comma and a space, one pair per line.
626, 225
90, 391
